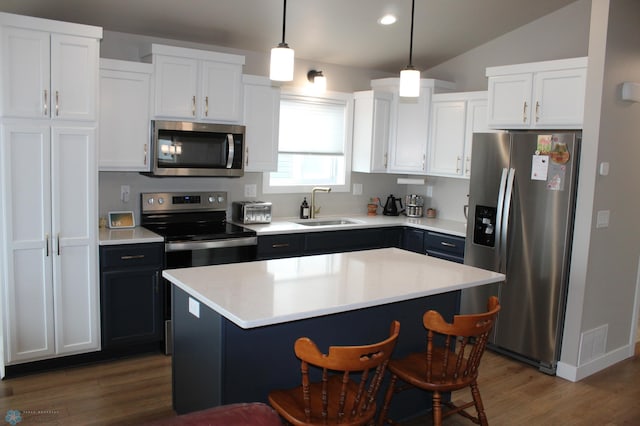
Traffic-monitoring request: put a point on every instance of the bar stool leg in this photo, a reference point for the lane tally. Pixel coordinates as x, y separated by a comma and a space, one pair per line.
387, 401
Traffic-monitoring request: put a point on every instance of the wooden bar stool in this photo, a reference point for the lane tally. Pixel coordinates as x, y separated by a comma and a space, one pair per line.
450, 362
337, 398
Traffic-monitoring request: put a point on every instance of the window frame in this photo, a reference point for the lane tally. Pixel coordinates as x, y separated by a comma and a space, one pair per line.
347, 98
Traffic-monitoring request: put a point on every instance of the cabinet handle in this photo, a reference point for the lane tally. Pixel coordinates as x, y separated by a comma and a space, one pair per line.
46, 102
145, 154
46, 237
132, 257
193, 106
524, 112
467, 166
58, 244
537, 111
385, 159
206, 106
57, 103
458, 164
424, 160
446, 244
156, 286
246, 157
280, 245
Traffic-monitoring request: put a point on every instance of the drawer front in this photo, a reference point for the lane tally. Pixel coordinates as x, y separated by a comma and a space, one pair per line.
443, 243
339, 241
274, 246
132, 255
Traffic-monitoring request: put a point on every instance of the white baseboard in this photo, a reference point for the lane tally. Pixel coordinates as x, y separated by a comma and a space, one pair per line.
575, 374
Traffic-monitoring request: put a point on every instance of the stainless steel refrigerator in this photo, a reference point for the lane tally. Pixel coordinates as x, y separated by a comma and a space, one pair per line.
522, 194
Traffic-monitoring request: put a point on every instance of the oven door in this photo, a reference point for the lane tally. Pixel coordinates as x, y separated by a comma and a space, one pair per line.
184, 254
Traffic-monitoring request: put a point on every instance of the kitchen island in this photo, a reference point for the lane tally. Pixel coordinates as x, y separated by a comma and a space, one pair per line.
234, 325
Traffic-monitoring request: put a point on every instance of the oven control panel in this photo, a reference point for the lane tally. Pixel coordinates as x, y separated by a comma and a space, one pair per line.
182, 201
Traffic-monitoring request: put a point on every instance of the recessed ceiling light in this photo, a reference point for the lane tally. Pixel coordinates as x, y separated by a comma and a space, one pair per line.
387, 20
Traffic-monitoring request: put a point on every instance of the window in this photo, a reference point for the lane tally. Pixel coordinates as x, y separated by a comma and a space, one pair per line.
314, 145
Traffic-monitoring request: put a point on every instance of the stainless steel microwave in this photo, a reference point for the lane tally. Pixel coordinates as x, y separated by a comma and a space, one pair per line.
180, 148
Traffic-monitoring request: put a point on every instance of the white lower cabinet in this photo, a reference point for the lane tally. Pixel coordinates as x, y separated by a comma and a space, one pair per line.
454, 119
48, 224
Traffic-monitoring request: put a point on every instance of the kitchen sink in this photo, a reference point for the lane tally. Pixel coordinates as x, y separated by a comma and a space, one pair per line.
328, 222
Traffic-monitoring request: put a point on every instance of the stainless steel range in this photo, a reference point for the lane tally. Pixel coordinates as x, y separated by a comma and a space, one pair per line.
196, 233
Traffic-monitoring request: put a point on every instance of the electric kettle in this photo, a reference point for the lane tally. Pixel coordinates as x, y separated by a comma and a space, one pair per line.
390, 208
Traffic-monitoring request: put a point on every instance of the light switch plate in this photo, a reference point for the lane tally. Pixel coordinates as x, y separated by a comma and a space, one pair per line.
602, 218
125, 191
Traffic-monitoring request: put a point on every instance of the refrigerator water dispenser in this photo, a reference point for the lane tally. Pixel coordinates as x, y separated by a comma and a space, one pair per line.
485, 224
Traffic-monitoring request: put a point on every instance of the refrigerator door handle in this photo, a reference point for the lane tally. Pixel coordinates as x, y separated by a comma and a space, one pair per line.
499, 208
505, 218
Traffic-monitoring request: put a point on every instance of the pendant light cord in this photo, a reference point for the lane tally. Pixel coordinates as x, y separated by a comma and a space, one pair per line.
284, 20
413, 8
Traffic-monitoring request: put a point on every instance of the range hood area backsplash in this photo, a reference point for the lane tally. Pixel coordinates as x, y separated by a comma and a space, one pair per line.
449, 195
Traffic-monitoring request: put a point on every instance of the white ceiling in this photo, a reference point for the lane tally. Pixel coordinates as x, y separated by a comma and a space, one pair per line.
343, 32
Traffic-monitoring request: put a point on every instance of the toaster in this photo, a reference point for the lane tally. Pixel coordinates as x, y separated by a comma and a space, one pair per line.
247, 212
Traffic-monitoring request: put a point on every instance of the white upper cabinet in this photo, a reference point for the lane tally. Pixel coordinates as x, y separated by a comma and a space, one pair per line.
196, 85
409, 125
539, 95
125, 90
454, 119
262, 121
371, 121
49, 75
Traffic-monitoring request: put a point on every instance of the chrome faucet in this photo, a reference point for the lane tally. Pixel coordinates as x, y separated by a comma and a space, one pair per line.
314, 211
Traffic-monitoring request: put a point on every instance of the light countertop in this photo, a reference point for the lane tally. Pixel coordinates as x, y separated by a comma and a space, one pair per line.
260, 293
135, 235
287, 226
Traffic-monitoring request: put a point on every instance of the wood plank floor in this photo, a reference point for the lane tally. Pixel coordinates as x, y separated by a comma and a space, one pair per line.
136, 390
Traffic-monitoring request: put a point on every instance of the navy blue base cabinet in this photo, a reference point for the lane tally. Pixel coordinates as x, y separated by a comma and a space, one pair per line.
216, 362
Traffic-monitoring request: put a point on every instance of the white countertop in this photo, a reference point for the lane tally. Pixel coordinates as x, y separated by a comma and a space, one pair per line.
135, 235
260, 293
287, 226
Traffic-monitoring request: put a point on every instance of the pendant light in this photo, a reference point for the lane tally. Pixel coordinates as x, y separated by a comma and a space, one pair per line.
410, 76
282, 56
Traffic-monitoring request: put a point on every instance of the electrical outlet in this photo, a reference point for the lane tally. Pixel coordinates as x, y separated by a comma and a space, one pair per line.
125, 191
357, 189
250, 190
429, 191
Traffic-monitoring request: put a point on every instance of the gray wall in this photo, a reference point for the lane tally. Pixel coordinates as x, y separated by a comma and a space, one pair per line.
604, 282
449, 195
562, 34
128, 47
